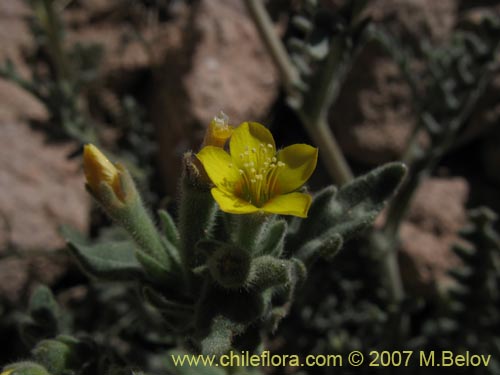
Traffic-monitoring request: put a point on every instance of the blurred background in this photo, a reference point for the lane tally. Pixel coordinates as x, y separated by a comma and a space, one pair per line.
143, 78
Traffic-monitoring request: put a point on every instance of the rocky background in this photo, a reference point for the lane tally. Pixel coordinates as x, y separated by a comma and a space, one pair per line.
185, 64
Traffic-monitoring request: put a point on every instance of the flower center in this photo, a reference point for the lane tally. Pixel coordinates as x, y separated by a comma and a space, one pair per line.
259, 169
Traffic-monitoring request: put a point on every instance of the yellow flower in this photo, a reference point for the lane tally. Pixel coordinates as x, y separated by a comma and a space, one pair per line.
255, 177
99, 169
218, 131
7, 372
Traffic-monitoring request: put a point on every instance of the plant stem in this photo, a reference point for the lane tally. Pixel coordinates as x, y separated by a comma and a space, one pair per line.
329, 149
273, 43
314, 121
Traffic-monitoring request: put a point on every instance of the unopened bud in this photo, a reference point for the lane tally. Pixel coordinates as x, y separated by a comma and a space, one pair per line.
24, 368
218, 131
98, 170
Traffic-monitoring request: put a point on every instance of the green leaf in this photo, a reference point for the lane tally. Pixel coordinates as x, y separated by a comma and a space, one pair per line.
109, 261
326, 246
155, 270
220, 337
273, 239
267, 271
43, 303
45, 317
353, 209
169, 228
178, 315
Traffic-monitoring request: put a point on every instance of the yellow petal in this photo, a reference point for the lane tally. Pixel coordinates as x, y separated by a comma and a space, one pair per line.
7, 372
250, 136
218, 165
232, 204
296, 204
300, 161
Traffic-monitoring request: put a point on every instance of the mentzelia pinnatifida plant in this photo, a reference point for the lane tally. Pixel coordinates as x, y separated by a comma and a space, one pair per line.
223, 273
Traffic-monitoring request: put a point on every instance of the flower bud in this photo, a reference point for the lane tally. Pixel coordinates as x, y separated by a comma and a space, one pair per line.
229, 266
218, 131
25, 368
114, 189
98, 170
54, 355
